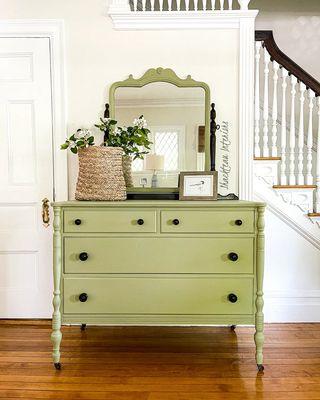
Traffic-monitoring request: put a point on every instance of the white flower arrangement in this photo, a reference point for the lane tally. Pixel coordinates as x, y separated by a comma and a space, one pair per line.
141, 123
82, 138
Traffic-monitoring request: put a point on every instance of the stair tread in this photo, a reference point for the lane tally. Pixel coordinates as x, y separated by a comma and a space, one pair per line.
314, 215
294, 186
267, 158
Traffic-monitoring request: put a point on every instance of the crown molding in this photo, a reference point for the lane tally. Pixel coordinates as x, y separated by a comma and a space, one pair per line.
160, 20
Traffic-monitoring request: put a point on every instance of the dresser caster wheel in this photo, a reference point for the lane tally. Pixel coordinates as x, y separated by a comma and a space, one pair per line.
83, 327
233, 327
260, 367
57, 366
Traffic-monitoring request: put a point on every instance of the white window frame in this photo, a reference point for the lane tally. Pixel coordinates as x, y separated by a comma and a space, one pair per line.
181, 130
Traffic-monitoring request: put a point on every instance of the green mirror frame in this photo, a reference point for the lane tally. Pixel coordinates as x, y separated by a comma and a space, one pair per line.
167, 75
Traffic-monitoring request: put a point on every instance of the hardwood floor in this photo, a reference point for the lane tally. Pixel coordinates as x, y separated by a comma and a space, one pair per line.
159, 363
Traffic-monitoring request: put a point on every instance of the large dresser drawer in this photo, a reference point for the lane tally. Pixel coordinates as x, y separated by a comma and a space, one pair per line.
197, 221
158, 295
110, 221
159, 255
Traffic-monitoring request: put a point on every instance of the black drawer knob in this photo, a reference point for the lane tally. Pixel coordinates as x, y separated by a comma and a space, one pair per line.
77, 221
233, 256
232, 298
83, 297
175, 221
140, 221
238, 222
83, 256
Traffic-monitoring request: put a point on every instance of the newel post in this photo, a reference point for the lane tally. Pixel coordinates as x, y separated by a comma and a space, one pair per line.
244, 4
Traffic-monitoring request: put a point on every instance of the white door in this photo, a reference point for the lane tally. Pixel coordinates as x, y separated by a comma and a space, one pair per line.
26, 177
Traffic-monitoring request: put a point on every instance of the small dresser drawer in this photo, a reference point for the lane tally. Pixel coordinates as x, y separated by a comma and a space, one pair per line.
110, 221
196, 221
162, 295
231, 255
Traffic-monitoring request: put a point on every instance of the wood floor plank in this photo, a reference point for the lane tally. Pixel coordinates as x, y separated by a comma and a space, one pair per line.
159, 363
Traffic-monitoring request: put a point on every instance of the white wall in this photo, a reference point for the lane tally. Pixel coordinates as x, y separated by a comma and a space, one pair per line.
292, 274
97, 55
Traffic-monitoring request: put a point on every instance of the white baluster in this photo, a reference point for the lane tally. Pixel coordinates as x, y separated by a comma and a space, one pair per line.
274, 150
301, 135
318, 162
292, 141
170, 5
178, 5
230, 4
257, 152
283, 166
244, 4
265, 151
309, 180
143, 5
221, 4
135, 5
152, 5
161, 5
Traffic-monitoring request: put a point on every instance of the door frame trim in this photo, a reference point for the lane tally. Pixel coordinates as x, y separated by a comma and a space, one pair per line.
54, 31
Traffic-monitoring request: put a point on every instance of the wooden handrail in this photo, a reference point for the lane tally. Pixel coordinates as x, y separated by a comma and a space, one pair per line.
277, 55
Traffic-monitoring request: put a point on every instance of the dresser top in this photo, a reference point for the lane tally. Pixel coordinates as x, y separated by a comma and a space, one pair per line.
160, 203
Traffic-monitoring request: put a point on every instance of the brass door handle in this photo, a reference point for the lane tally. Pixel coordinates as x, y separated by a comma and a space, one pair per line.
45, 212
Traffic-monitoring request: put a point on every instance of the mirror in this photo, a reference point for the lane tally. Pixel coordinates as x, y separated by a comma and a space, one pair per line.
177, 114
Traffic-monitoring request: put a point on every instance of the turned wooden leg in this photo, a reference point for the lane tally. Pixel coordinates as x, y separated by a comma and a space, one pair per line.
56, 334
259, 340
259, 318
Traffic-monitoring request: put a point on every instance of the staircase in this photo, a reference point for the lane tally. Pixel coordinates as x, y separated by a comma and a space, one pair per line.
286, 145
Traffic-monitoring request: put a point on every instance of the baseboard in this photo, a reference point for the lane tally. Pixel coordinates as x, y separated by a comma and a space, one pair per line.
292, 306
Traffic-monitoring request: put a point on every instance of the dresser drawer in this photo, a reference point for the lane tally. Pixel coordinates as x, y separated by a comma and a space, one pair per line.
110, 221
159, 255
196, 221
159, 295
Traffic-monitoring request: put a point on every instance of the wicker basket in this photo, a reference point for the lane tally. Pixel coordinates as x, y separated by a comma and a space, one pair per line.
127, 170
100, 174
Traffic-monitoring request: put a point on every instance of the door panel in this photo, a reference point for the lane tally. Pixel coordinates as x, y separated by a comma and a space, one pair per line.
26, 165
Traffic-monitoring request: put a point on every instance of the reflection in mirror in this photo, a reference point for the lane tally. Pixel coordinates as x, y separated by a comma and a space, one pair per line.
176, 119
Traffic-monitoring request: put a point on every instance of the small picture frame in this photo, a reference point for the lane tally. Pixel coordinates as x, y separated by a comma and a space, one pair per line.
198, 185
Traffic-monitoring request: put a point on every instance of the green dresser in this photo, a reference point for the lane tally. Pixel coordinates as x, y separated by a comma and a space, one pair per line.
158, 262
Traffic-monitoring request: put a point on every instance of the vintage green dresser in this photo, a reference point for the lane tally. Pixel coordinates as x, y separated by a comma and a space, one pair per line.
158, 262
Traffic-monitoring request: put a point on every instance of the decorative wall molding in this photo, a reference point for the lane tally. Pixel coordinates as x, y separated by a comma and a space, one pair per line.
159, 20
302, 198
54, 31
267, 170
289, 214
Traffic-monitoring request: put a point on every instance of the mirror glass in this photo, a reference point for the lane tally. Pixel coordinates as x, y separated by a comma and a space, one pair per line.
176, 119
